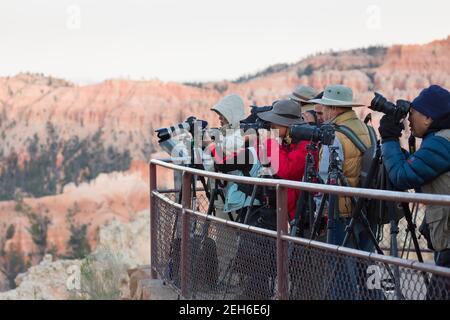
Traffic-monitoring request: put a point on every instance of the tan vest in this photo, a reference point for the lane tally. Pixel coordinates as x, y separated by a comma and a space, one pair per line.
438, 217
352, 156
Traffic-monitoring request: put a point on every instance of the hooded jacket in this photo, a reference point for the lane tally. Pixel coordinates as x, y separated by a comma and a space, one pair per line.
231, 108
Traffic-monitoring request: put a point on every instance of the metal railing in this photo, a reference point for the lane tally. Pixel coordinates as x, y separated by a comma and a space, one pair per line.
205, 257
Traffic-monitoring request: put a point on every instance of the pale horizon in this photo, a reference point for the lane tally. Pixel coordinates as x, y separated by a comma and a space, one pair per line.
196, 41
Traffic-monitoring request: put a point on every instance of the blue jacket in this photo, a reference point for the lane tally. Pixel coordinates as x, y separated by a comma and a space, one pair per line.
426, 164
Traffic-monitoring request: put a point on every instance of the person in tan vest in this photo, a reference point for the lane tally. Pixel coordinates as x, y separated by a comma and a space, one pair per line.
337, 107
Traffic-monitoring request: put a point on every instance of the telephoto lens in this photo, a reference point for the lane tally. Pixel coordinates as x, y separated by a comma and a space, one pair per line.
323, 134
398, 112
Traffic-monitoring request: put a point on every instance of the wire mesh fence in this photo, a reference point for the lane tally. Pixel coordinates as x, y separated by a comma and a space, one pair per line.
224, 261
385, 234
401, 233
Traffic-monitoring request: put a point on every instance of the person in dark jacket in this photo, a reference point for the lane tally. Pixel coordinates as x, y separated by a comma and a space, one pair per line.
426, 170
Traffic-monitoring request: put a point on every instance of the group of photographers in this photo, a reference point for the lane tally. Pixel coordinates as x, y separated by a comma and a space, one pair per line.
301, 122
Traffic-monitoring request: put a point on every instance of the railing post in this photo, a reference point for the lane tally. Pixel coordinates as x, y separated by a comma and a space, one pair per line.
153, 225
282, 248
186, 204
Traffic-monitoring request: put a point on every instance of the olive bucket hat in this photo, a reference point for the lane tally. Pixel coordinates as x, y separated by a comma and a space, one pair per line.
284, 113
338, 96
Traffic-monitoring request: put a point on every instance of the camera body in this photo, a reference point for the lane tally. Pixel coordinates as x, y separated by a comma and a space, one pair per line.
253, 121
257, 125
189, 124
398, 112
323, 134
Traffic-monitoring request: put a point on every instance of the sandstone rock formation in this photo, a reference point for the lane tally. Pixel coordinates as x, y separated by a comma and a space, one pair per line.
127, 111
116, 195
122, 246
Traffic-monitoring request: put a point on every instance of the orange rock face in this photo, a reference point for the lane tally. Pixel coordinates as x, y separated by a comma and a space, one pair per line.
127, 112
110, 196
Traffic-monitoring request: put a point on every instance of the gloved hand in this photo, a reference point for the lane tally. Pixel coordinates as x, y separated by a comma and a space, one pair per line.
389, 130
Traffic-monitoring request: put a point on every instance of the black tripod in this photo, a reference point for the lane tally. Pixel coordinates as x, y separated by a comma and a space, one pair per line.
305, 203
358, 215
204, 261
344, 271
359, 208
244, 241
175, 243
335, 177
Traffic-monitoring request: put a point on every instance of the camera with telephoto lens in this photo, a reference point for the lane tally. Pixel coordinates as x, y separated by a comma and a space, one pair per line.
253, 121
169, 138
189, 125
323, 134
398, 111
257, 125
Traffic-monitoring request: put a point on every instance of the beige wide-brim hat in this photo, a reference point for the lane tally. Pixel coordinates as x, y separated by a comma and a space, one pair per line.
302, 94
338, 96
284, 113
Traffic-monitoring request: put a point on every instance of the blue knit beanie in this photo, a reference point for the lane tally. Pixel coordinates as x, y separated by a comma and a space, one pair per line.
434, 102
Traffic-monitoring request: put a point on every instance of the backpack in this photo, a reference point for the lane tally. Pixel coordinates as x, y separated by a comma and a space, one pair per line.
368, 153
376, 212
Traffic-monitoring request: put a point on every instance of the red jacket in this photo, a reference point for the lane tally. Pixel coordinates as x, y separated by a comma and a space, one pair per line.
291, 166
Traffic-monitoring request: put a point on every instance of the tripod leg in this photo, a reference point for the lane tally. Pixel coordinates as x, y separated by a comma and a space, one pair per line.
212, 198
229, 272
350, 232
252, 202
317, 220
311, 209
386, 184
412, 229
296, 224
416, 211
331, 236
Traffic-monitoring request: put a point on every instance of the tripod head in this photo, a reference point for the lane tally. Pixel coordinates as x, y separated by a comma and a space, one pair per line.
311, 174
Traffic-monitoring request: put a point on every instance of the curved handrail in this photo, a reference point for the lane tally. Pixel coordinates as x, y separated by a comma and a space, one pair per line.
424, 198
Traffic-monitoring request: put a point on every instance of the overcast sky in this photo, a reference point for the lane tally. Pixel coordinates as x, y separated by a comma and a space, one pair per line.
198, 40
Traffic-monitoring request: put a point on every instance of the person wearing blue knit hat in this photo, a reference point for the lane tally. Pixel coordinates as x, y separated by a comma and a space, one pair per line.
426, 170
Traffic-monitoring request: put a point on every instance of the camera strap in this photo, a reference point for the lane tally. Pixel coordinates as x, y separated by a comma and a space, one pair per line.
355, 139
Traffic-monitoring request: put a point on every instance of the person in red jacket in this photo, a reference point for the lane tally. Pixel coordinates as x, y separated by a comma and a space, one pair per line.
287, 159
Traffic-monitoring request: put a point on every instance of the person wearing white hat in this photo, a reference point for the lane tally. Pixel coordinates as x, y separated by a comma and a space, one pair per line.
229, 152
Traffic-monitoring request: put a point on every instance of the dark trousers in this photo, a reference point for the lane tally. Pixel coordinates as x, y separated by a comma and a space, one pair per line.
439, 287
348, 275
